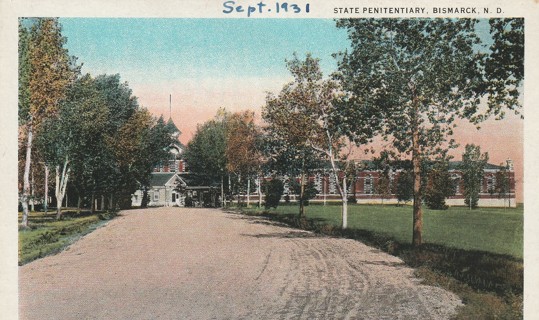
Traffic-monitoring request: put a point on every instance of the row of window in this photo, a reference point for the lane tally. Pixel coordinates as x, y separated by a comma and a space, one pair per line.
173, 166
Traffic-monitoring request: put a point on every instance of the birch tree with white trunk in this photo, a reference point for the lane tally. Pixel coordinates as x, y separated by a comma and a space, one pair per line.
45, 71
309, 112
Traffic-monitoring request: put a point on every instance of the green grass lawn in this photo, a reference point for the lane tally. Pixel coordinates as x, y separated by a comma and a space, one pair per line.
495, 230
46, 235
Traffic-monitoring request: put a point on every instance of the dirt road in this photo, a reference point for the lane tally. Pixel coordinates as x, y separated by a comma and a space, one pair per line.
175, 263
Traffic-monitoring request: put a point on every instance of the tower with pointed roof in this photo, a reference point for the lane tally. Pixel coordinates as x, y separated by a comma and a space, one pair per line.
175, 163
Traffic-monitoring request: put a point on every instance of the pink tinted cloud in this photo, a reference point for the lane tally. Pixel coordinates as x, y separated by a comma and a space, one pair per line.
196, 101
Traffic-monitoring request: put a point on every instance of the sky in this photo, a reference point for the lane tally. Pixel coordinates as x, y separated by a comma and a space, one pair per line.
206, 64
203, 63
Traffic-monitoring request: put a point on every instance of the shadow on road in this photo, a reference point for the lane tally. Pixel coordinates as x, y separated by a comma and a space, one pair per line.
289, 234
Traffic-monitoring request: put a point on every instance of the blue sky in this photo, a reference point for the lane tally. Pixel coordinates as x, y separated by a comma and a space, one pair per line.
207, 64
159, 50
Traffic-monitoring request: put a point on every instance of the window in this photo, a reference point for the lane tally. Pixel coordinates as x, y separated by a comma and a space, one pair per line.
332, 184
318, 182
456, 182
368, 185
156, 195
491, 183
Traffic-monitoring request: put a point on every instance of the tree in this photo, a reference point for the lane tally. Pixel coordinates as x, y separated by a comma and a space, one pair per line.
383, 164
416, 76
206, 152
308, 193
243, 157
288, 158
46, 70
307, 113
439, 186
503, 67
119, 99
503, 184
74, 141
140, 143
273, 190
473, 168
122, 105
383, 187
405, 186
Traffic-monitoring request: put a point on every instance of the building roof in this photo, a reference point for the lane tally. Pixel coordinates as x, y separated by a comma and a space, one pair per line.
455, 165
370, 165
161, 178
195, 180
172, 127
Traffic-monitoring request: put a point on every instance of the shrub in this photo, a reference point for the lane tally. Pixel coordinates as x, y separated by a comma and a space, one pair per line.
309, 191
189, 202
273, 190
439, 186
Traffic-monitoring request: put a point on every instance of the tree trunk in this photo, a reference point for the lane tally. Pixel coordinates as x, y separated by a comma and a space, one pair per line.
92, 203
102, 202
79, 202
26, 176
302, 189
239, 193
61, 184
324, 187
248, 192
33, 193
230, 189
259, 192
46, 202
301, 195
344, 197
342, 189
417, 239
223, 201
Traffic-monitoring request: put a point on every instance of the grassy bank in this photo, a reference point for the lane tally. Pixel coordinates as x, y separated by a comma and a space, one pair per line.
476, 254
45, 235
495, 230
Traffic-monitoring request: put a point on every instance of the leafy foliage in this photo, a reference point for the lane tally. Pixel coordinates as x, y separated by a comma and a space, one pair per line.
307, 116
414, 77
472, 167
206, 152
439, 186
504, 67
45, 71
405, 186
273, 190
503, 182
50, 70
308, 193
242, 153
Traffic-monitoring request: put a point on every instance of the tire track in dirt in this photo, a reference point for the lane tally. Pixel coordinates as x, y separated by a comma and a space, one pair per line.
173, 263
333, 280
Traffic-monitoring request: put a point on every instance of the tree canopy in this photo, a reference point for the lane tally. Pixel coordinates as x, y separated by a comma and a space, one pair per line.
472, 167
415, 77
